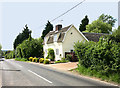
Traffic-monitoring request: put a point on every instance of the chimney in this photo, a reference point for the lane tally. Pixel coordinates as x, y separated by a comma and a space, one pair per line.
58, 27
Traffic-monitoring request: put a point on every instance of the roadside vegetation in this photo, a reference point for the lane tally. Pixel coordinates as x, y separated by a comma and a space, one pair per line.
100, 59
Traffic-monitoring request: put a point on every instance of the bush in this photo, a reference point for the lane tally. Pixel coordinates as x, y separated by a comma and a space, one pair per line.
69, 57
37, 60
51, 54
46, 61
103, 56
30, 58
59, 61
21, 59
30, 48
34, 59
10, 54
41, 60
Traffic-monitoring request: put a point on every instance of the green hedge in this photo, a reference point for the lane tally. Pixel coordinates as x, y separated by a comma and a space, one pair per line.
103, 56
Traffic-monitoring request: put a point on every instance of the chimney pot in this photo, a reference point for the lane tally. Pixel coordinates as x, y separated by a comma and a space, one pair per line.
58, 27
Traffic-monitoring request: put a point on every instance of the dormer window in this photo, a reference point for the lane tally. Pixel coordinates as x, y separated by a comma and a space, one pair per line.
55, 37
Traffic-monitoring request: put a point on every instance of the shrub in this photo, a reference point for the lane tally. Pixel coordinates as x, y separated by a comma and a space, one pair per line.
10, 54
69, 57
51, 54
24, 59
46, 61
41, 60
21, 59
37, 60
34, 59
59, 61
30, 58
102, 57
30, 48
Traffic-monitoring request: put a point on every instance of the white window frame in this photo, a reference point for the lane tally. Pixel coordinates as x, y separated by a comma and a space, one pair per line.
57, 51
55, 37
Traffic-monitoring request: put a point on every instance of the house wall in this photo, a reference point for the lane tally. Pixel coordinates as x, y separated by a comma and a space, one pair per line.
54, 46
70, 39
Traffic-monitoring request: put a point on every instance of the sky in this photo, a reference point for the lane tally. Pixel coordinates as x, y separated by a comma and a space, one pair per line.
14, 14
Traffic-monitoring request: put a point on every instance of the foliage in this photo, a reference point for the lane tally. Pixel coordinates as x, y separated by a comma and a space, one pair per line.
103, 56
21, 59
46, 61
63, 60
51, 54
115, 36
22, 36
36, 60
30, 48
98, 26
0, 46
10, 54
69, 57
41, 60
84, 22
48, 28
87, 71
30, 58
107, 19
59, 61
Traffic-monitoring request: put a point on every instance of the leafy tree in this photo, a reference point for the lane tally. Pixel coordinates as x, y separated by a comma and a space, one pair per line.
22, 36
48, 28
107, 19
115, 36
0, 47
98, 26
84, 22
30, 48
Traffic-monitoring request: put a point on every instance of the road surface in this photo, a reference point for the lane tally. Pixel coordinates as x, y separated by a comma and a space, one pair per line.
16, 73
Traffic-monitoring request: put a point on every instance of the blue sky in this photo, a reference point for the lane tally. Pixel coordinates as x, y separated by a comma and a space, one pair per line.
14, 15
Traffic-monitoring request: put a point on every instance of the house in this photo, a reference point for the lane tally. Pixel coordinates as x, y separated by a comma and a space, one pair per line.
62, 40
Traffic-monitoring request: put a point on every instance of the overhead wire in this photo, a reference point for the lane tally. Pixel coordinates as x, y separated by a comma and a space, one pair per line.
66, 12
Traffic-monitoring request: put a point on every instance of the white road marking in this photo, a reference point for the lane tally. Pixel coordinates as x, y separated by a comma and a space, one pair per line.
40, 76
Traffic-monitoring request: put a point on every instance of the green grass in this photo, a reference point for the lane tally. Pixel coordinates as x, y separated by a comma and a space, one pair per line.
115, 77
21, 59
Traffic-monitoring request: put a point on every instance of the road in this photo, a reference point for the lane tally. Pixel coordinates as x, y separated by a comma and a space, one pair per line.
16, 73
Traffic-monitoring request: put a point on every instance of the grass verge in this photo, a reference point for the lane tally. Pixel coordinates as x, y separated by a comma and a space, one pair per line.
114, 78
21, 59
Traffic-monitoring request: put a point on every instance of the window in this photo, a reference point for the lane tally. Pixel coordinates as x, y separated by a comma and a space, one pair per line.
55, 37
57, 51
45, 51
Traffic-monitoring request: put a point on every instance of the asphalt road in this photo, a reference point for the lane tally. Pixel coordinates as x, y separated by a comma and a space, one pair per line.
16, 73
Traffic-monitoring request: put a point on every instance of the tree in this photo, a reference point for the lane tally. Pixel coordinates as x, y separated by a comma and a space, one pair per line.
84, 22
115, 36
30, 48
98, 26
22, 36
107, 19
0, 47
48, 28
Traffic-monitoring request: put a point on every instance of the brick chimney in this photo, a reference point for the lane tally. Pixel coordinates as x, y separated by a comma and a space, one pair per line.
58, 27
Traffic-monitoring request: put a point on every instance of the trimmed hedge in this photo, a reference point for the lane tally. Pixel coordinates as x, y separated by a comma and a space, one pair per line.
41, 60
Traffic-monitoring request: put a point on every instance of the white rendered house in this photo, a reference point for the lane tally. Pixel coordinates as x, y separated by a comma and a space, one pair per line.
62, 40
